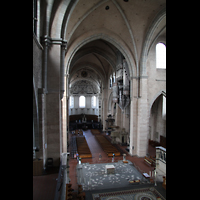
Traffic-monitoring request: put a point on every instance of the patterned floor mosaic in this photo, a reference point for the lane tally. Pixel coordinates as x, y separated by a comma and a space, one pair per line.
134, 194
93, 176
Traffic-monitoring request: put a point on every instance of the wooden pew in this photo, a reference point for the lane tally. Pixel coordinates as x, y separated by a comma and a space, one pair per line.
164, 182
153, 159
73, 118
81, 194
78, 131
107, 146
82, 147
95, 132
148, 161
68, 191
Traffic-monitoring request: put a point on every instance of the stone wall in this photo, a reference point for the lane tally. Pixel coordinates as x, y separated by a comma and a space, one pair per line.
82, 25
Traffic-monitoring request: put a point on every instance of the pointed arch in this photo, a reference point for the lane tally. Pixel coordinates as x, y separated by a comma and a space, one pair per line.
148, 40
115, 41
162, 92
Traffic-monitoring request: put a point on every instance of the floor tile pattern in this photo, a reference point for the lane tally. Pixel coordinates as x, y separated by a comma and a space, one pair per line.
44, 186
134, 194
94, 176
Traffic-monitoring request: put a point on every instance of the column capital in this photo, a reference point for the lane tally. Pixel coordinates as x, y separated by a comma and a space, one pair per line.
64, 44
46, 40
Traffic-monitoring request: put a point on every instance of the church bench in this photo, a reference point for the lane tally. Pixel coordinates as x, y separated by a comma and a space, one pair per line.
82, 155
148, 161
107, 147
116, 154
81, 194
68, 191
134, 181
82, 147
164, 182
153, 159
74, 118
95, 131
78, 131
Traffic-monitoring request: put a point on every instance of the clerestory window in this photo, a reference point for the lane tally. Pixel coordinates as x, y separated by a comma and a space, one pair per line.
71, 102
82, 102
94, 101
161, 56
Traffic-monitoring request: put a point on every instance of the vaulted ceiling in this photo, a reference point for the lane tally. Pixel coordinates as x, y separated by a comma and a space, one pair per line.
97, 59
95, 30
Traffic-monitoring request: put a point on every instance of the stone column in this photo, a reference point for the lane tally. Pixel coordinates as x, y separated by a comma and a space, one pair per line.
53, 105
42, 123
105, 107
133, 116
62, 67
143, 119
64, 117
46, 41
139, 118
62, 102
53, 126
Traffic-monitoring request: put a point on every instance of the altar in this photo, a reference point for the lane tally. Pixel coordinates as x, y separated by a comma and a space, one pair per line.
110, 169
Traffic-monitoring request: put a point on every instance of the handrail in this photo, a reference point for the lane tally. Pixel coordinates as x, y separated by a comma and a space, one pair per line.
59, 183
60, 193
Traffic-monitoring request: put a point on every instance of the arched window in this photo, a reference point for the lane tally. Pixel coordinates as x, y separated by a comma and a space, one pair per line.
71, 102
164, 108
94, 101
111, 81
161, 56
82, 101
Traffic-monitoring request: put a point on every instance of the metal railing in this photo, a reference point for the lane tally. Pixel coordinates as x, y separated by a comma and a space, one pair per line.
60, 193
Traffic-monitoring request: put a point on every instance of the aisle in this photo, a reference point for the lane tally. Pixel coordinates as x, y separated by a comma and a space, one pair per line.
94, 146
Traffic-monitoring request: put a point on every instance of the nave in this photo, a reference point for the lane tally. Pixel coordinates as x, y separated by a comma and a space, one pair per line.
96, 149
44, 186
101, 61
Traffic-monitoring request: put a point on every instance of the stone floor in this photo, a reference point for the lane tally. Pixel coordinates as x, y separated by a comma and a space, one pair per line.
95, 149
44, 186
161, 192
95, 176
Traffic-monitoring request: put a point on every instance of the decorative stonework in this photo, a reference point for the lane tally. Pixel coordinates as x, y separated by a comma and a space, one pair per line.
135, 194
84, 87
